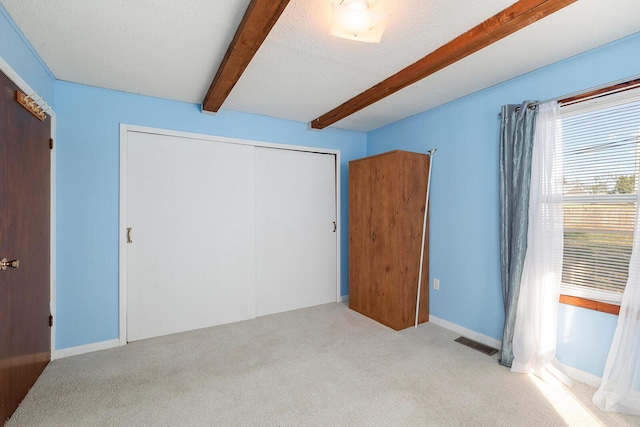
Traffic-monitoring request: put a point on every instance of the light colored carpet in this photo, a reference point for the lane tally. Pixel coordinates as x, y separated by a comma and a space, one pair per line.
320, 366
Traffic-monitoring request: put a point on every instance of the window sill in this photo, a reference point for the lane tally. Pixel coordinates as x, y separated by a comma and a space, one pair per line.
590, 304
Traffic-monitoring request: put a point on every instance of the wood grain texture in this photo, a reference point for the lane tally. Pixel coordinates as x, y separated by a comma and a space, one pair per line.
504, 23
619, 87
257, 22
359, 236
411, 214
25, 342
386, 211
383, 265
590, 304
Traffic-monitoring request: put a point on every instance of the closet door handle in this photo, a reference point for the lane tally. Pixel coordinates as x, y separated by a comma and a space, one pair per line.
335, 226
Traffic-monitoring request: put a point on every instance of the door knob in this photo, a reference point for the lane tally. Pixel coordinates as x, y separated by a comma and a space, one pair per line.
4, 264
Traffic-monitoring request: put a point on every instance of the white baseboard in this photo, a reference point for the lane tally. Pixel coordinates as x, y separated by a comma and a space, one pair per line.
343, 298
468, 333
573, 373
581, 376
82, 349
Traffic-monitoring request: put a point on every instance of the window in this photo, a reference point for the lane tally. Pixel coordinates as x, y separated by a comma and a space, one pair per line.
601, 155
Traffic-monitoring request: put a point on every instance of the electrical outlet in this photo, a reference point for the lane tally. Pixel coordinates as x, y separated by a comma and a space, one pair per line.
436, 284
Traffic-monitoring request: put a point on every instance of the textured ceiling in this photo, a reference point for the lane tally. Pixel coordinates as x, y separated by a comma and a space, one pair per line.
172, 49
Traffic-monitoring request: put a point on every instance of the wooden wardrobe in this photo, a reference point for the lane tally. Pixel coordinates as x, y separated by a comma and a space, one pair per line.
387, 194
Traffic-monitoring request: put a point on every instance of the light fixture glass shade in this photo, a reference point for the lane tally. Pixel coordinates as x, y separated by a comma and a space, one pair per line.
358, 20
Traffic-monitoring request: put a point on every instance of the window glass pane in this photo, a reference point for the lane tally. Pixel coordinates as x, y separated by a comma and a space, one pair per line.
601, 152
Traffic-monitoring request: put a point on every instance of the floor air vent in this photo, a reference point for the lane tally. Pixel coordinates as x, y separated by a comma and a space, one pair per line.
477, 346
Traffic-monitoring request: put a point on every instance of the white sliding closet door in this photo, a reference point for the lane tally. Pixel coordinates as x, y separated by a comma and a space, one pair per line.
296, 251
191, 209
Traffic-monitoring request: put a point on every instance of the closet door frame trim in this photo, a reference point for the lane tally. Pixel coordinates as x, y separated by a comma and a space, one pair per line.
122, 222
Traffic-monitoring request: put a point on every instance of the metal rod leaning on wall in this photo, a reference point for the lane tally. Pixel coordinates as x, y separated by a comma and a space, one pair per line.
424, 232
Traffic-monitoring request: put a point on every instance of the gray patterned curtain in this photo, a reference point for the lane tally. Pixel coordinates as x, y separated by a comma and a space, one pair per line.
516, 144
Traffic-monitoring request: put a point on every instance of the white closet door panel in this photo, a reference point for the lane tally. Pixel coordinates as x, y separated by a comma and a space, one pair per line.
191, 205
295, 239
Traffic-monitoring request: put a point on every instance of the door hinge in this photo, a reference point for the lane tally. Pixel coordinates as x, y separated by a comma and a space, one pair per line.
50, 143
50, 320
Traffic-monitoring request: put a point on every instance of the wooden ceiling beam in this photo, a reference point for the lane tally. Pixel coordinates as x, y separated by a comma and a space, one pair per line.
258, 20
502, 24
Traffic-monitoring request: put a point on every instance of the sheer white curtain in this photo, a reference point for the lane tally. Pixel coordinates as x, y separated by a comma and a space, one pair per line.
620, 387
534, 339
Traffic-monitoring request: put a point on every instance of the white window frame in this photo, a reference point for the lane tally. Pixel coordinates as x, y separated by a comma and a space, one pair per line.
580, 108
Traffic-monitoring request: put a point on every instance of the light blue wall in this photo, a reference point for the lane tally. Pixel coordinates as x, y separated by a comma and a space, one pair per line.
87, 180
464, 250
464, 206
18, 53
584, 338
87, 145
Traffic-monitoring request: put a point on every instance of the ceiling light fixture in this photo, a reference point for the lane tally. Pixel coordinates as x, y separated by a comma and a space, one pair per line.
361, 20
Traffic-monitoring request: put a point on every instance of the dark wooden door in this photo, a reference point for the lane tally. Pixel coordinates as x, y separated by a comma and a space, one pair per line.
25, 339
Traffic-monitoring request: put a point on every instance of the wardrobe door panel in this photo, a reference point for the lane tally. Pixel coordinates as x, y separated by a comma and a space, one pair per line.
411, 201
384, 266
359, 237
